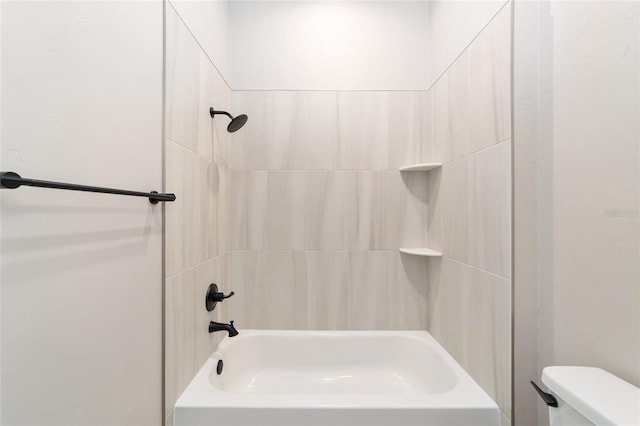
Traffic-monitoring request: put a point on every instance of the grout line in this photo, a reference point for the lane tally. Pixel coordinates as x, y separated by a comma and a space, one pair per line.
163, 262
317, 250
186, 148
367, 170
477, 268
360, 251
317, 170
169, 2
476, 152
331, 90
512, 372
468, 44
197, 265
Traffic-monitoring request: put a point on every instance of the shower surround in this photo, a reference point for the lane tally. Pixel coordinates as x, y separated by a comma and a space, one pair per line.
320, 209
311, 208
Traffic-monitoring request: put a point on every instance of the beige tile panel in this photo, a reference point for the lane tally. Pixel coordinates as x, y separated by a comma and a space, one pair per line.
205, 274
249, 282
224, 208
180, 322
270, 289
217, 95
250, 146
191, 221
207, 129
220, 273
504, 421
366, 198
459, 116
436, 199
489, 83
249, 210
211, 189
305, 130
329, 290
289, 130
310, 130
476, 212
411, 293
193, 85
290, 290
286, 284
326, 289
490, 213
182, 83
330, 203
381, 129
456, 195
187, 340
469, 314
372, 287
440, 145
426, 141
400, 215
330, 210
287, 210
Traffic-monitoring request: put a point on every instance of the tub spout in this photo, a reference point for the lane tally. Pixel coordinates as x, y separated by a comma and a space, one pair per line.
229, 328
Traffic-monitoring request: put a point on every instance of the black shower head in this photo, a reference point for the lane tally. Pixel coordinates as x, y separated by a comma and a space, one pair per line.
236, 122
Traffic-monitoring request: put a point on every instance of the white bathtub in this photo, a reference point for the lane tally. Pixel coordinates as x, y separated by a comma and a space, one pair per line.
337, 378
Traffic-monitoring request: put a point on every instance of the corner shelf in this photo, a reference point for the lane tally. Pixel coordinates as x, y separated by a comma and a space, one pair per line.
423, 251
427, 252
420, 167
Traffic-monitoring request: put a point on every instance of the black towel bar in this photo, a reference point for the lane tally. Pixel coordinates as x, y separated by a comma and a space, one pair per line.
11, 180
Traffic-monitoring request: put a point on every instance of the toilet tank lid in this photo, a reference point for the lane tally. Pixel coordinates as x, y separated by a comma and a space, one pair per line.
601, 397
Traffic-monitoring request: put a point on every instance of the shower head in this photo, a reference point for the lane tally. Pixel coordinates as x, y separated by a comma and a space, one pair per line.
236, 122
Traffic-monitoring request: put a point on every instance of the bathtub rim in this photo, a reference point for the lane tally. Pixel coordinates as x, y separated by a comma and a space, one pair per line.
466, 394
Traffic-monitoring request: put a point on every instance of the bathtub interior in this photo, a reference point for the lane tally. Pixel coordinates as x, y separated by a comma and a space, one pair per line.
331, 363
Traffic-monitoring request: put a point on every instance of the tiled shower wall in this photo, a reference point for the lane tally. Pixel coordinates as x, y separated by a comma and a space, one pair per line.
302, 212
197, 224
319, 210
469, 297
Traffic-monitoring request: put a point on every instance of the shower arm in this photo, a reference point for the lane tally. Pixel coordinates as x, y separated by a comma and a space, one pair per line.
213, 112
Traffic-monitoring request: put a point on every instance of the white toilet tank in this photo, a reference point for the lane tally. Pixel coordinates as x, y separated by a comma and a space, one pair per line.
591, 396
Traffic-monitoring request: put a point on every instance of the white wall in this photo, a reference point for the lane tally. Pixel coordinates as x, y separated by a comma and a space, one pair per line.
334, 45
586, 172
81, 273
590, 298
0, 210
285, 45
452, 26
208, 22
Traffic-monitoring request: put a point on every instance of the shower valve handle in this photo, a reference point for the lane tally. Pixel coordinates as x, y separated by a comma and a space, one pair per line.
219, 297
214, 296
